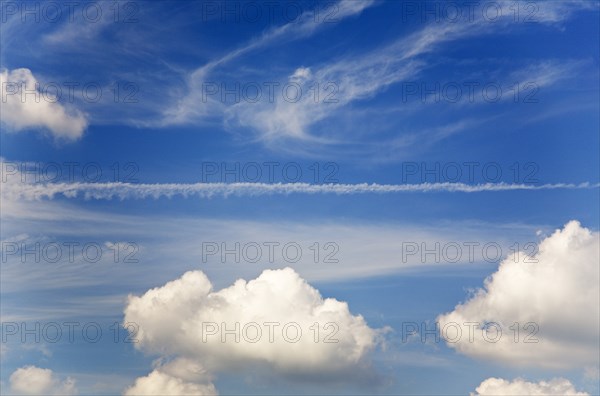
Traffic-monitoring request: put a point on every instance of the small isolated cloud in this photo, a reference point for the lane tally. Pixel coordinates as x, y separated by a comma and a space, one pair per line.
541, 310
520, 387
24, 107
32, 380
301, 74
276, 321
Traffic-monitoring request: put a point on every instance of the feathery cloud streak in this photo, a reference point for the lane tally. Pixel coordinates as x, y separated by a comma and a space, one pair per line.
122, 191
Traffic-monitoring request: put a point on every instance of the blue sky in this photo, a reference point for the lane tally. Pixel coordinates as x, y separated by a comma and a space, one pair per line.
413, 125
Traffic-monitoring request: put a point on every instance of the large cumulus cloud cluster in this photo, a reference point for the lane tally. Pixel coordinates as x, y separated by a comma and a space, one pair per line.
552, 296
270, 321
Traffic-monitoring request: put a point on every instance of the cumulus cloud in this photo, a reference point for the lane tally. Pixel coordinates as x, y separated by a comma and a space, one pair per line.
23, 109
520, 387
552, 298
32, 380
178, 378
276, 321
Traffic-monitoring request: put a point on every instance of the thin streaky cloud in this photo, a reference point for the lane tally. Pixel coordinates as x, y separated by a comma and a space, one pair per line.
209, 190
360, 77
307, 24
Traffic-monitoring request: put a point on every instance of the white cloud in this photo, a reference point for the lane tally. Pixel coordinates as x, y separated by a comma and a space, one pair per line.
82, 28
545, 12
180, 243
363, 76
557, 290
160, 240
305, 25
178, 378
546, 73
31, 380
520, 387
112, 190
15, 189
271, 318
22, 111
309, 22
301, 73
338, 84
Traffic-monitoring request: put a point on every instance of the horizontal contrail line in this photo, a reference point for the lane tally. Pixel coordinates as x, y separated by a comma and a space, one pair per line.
208, 190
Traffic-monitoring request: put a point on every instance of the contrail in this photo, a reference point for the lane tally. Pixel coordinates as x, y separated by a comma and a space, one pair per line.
118, 190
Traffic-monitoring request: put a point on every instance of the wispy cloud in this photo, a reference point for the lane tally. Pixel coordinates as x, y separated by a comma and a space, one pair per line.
168, 247
82, 29
364, 76
187, 109
208, 190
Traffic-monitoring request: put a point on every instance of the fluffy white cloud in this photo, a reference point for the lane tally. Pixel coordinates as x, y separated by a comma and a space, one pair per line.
520, 387
20, 111
269, 321
179, 377
31, 380
554, 294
